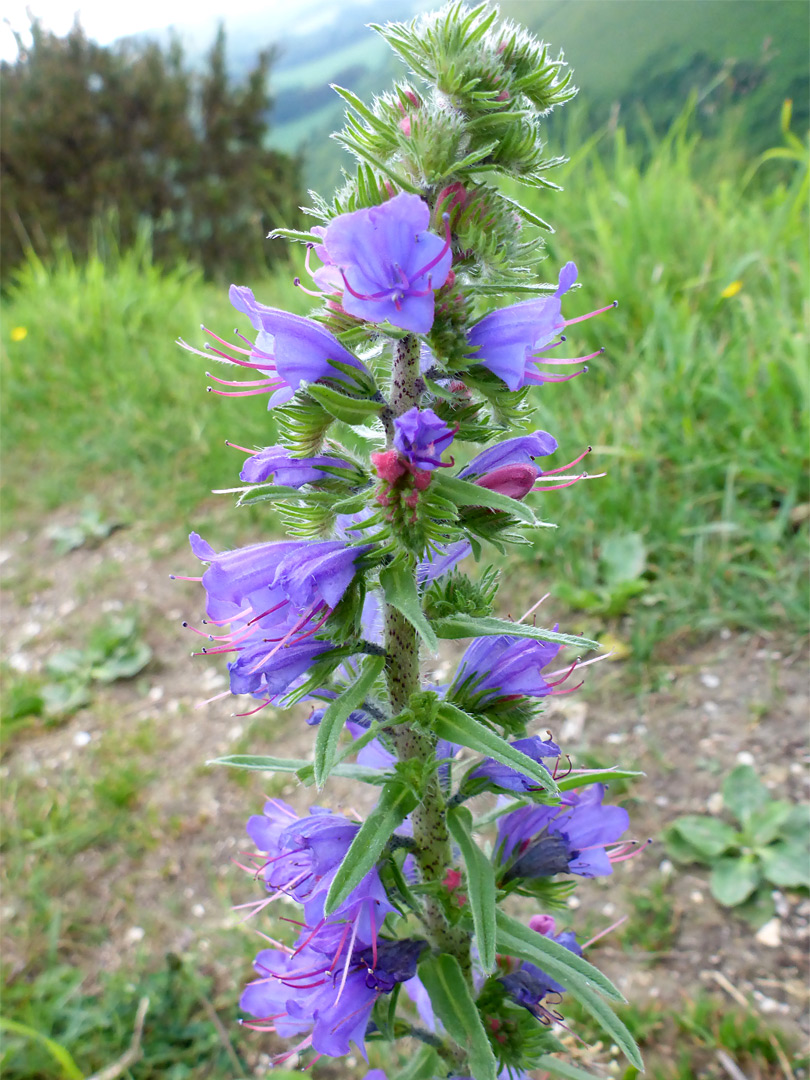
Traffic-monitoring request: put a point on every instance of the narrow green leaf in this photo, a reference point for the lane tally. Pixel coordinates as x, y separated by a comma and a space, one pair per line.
423, 1065
571, 971
396, 802
295, 234
480, 883
337, 712
399, 587
535, 948
297, 765
348, 409
454, 724
465, 626
463, 493
556, 1067
359, 107
450, 997
595, 776
70, 1070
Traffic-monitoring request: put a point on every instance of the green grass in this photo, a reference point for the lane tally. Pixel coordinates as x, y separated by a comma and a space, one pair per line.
697, 410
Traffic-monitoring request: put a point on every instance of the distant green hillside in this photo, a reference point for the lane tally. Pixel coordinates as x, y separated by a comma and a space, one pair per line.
743, 55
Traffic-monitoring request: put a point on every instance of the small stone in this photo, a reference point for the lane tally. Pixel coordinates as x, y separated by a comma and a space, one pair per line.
82, 738
710, 680
771, 933
198, 911
665, 868
156, 693
576, 713
134, 935
661, 800
714, 803
725, 634
711, 708
696, 896
745, 757
573, 902
235, 732
608, 910
796, 768
615, 738
640, 729
780, 902
19, 662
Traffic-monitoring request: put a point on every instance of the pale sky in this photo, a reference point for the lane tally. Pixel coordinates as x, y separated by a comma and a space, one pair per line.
106, 20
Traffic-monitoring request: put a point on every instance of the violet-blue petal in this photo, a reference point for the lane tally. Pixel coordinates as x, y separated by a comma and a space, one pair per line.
422, 437
288, 471
519, 451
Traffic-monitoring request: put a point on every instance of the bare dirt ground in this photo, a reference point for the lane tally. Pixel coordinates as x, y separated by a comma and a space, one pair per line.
729, 700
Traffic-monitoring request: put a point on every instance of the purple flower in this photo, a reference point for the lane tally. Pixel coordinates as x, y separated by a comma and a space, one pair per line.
441, 561
267, 670
317, 572
297, 349
289, 471
386, 262
539, 841
520, 451
530, 984
504, 666
422, 437
511, 341
510, 779
329, 984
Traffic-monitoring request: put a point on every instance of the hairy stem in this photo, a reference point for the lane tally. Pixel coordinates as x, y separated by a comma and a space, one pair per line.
431, 839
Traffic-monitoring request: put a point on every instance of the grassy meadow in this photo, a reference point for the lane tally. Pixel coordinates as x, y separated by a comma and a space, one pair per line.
697, 412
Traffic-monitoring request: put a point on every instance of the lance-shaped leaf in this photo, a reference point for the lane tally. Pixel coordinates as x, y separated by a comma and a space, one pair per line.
466, 626
450, 997
480, 883
463, 493
397, 800
338, 711
578, 977
521, 941
399, 587
305, 769
459, 727
583, 777
555, 1067
348, 409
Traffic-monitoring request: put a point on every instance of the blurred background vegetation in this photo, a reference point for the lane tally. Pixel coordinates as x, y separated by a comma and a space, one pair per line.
140, 178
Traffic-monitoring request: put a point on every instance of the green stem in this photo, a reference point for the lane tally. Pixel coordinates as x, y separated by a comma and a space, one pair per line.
431, 838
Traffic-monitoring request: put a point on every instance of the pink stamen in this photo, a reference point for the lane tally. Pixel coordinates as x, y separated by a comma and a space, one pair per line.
346, 965
253, 712
582, 664
568, 483
566, 360
309, 1064
565, 676
309, 292
590, 315
570, 465
570, 690
238, 382
533, 608
386, 293
216, 697
341, 943
180, 577
229, 620
245, 393
442, 253
547, 377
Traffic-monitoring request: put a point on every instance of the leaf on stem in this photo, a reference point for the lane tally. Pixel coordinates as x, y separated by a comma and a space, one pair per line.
450, 997
465, 626
338, 711
480, 883
399, 587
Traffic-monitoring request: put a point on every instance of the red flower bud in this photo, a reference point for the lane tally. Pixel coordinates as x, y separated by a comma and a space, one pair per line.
388, 465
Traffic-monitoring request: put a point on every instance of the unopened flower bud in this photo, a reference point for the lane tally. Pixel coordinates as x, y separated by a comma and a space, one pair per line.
388, 465
514, 481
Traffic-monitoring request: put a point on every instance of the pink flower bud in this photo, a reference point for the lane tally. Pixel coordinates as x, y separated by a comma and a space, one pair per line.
388, 465
543, 924
515, 481
405, 125
421, 479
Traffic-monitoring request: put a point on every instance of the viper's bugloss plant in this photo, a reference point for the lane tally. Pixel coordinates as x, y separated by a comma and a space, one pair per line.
405, 449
